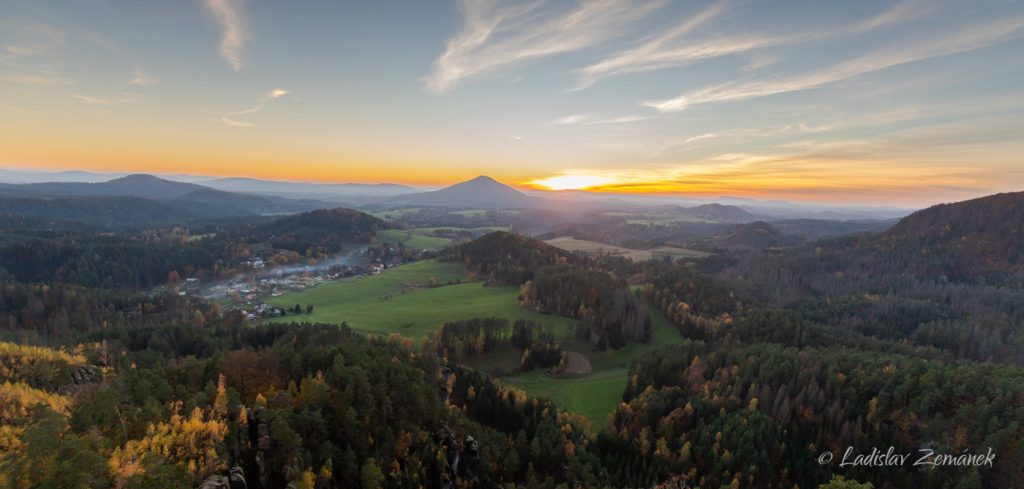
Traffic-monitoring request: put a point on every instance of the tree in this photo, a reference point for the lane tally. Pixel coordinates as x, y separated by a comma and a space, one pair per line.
840, 482
309, 308
371, 475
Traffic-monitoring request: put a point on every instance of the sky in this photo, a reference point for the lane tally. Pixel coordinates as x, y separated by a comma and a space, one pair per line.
888, 102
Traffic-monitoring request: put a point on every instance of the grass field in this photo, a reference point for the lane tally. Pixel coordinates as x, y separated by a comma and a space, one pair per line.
573, 244
595, 395
394, 213
485, 229
663, 221
398, 301
411, 239
481, 212
390, 303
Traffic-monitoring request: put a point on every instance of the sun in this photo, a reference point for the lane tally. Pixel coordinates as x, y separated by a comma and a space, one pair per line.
571, 182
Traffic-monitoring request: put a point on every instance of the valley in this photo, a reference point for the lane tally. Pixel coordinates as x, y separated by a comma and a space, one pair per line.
512, 244
608, 334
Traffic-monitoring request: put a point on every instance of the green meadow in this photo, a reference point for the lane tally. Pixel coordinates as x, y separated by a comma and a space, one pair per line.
400, 301
411, 239
594, 395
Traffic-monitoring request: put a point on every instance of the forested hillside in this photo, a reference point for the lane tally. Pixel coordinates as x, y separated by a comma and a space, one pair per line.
741, 369
146, 259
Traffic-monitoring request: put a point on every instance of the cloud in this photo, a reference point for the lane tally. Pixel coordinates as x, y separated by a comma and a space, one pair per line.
143, 80
569, 120
264, 100
675, 47
584, 119
91, 100
28, 38
693, 139
36, 78
228, 14
12, 109
496, 35
948, 43
235, 123
656, 52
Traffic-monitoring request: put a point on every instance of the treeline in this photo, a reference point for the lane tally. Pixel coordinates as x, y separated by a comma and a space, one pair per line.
611, 315
289, 405
61, 312
762, 414
319, 232
506, 258
969, 321
562, 283
103, 261
460, 340
138, 260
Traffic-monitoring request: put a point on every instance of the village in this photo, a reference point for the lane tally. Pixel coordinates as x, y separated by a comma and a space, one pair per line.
246, 291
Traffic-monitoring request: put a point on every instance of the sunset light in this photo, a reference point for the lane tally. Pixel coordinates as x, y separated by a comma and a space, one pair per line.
827, 107
469, 244
570, 182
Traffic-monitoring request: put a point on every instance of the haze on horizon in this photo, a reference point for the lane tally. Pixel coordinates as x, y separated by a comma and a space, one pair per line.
905, 102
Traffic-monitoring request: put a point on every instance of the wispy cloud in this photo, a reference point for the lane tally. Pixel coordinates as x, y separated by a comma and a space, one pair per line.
35, 78
496, 35
141, 79
228, 14
569, 120
90, 100
22, 39
227, 119
12, 109
948, 43
235, 123
657, 52
590, 120
676, 47
264, 100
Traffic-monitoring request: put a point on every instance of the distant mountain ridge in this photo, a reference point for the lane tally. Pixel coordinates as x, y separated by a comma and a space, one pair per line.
138, 185
325, 191
482, 192
138, 199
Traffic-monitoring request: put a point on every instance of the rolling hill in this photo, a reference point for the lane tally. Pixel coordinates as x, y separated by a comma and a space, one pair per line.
720, 213
967, 240
136, 200
325, 230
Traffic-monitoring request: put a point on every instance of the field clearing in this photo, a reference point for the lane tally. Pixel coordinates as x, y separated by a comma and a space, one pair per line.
394, 214
389, 303
486, 229
663, 221
483, 212
411, 239
676, 253
594, 395
573, 244
397, 301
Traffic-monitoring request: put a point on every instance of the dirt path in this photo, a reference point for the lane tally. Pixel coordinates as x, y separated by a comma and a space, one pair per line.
576, 363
